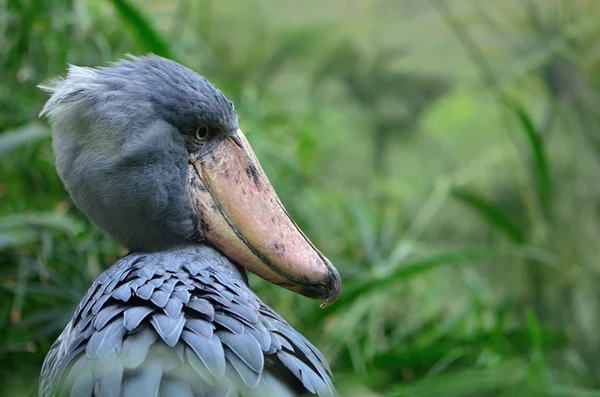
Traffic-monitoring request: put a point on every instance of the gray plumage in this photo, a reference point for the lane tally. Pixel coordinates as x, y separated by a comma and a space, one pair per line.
176, 318
130, 345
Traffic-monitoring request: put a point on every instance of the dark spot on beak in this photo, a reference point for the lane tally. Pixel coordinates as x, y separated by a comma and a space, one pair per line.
279, 247
253, 174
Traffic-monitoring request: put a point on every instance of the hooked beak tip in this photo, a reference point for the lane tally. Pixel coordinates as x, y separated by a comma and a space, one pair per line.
333, 286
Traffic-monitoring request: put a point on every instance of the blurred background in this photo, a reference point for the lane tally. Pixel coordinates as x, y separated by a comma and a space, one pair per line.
444, 154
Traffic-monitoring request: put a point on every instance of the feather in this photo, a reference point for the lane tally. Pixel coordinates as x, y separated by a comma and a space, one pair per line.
83, 386
284, 342
243, 312
248, 375
271, 386
198, 366
107, 314
182, 294
145, 291
123, 293
168, 328
169, 286
115, 278
230, 323
222, 277
301, 344
173, 308
200, 327
86, 321
232, 392
167, 357
109, 374
179, 350
143, 382
175, 388
274, 346
210, 351
203, 307
262, 336
99, 303
159, 298
107, 339
157, 281
76, 378
309, 378
245, 347
135, 315
135, 347
139, 282
304, 346
225, 298
101, 286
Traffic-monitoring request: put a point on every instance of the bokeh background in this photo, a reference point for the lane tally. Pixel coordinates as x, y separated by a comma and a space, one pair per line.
444, 154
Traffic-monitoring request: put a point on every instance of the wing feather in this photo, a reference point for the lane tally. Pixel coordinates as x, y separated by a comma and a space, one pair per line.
179, 326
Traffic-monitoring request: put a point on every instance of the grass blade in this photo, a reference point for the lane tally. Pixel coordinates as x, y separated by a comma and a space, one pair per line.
409, 269
145, 32
49, 220
534, 137
13, 139
491, 214
468, 382
17, 238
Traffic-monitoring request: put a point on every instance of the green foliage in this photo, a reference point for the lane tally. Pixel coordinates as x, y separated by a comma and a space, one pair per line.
444, 155
148, 37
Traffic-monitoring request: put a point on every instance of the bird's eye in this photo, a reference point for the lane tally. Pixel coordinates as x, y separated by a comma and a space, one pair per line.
201, 134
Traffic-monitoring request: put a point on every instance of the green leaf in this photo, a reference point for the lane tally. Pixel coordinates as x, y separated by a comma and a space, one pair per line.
571, 391
537, 335
17, 238
491, 214
13, 139
467, 382
409, 269
147, 35
538, 153
21, 229
47, 220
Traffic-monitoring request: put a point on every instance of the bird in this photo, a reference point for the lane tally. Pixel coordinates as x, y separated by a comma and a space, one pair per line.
152, 153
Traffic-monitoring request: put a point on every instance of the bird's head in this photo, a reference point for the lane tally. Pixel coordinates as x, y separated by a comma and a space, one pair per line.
152, 153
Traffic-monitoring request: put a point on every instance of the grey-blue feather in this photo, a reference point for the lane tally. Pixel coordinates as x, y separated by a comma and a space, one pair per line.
237, 347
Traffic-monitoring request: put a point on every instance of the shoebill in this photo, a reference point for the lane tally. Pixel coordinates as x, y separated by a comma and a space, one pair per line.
152, 153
